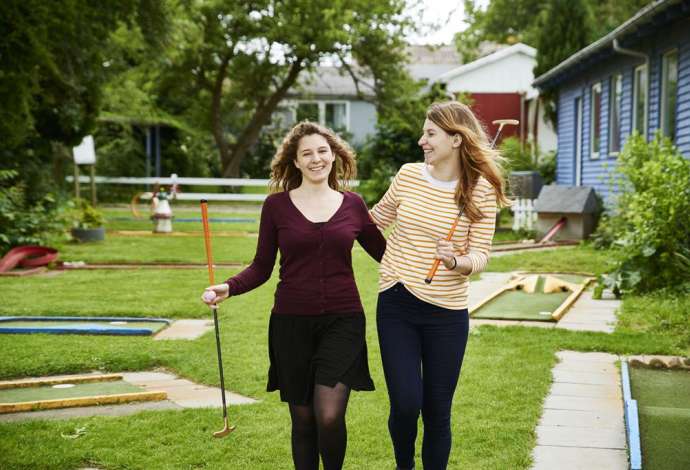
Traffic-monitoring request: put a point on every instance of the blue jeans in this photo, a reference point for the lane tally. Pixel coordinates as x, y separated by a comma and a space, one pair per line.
422, 347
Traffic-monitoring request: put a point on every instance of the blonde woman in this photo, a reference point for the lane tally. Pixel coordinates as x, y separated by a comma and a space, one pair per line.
317, 344
423, 327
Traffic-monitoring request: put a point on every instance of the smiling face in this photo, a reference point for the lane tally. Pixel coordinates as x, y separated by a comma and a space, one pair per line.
437, 144
314, 158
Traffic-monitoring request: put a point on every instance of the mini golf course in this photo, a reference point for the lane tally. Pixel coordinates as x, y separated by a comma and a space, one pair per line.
664, 417
87, 390
83, 325
533, 297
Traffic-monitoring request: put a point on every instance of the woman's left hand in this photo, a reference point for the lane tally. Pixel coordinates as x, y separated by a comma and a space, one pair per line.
446, 253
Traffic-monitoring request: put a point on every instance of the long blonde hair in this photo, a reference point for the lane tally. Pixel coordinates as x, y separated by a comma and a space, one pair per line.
477, 158
286, 176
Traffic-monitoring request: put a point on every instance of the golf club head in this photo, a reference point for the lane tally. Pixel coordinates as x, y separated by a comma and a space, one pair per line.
505, 122
225, 431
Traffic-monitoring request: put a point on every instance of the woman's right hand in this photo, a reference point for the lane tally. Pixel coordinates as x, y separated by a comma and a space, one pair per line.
215, 294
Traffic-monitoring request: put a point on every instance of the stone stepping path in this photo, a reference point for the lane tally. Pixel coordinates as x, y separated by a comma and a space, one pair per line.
582, 425
182, 393
185, 329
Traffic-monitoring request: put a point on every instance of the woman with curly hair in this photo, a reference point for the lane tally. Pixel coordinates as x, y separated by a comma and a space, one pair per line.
422, 325
317, 344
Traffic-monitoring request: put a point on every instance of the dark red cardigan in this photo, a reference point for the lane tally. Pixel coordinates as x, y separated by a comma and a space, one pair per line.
316, 275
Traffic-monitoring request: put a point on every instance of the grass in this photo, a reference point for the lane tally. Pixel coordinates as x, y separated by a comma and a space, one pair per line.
505, 377
581, 258
113, 218
160, 248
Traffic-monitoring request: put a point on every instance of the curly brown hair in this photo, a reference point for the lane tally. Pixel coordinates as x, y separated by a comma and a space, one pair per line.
477, 157
286, 176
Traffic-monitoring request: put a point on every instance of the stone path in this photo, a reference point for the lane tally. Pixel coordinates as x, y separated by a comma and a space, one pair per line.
185, 329
582, 424
182, 393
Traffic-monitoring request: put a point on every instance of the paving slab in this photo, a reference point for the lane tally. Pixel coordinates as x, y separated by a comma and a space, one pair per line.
571, 436
185, 329
574, 458
585, 390
582, 424
579, 418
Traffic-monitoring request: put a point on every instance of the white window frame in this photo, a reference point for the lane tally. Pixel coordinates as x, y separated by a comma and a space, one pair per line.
322, 110
594, 152
636, 84
578, 140
617, 77
663, 104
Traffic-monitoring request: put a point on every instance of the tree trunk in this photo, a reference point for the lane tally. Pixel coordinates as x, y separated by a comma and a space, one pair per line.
216, 105
262, 115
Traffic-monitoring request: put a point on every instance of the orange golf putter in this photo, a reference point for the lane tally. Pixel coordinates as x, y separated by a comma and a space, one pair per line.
227, 429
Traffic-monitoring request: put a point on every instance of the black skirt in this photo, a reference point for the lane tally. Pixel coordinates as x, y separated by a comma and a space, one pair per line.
316, 349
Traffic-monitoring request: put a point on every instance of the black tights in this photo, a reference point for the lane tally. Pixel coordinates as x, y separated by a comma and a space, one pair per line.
319, 428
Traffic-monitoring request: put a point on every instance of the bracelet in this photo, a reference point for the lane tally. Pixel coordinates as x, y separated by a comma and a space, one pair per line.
455, 263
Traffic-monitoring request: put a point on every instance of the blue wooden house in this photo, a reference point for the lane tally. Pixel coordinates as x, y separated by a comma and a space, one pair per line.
635, 78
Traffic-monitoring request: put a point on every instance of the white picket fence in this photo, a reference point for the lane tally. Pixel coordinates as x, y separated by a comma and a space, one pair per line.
524, 214
174, 180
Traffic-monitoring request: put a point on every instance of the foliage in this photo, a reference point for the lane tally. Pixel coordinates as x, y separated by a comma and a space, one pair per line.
52, 70
650, 226
21, 223
395, 141
525, 156
239, 60
81, 214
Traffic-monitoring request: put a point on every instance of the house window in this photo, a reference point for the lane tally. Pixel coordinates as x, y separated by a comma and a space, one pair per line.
333, 114
595, 121
640, 100
336, 116
669, 92
615, 96
308, 112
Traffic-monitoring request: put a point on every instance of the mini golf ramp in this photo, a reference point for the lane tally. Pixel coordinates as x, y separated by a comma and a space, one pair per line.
66, 392
533, 297
119, 326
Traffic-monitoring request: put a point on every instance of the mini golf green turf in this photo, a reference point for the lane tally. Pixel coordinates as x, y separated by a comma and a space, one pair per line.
50, 392
153, 326
663, 400
519, 305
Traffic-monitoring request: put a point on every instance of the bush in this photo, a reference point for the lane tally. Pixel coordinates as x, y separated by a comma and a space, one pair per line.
23, 223
649, 227
84, 215
526, 157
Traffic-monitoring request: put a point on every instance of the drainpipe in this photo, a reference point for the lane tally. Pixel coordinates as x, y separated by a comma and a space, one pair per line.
621, 50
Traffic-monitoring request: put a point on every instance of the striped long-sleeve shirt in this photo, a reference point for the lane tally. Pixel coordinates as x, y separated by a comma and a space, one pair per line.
423, 210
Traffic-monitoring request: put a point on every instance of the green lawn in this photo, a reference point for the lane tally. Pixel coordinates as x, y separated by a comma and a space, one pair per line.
505, 378
114, 220
160, 248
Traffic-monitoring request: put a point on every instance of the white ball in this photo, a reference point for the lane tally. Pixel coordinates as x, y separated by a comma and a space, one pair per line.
209, 296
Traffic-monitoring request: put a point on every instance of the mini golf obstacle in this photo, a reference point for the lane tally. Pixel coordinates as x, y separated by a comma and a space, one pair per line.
122, 326
533, 296
66, 392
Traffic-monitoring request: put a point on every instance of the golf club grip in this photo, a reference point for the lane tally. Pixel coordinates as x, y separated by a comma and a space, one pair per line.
207, 240
437, 261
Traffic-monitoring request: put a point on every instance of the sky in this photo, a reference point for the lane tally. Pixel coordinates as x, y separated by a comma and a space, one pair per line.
447, 16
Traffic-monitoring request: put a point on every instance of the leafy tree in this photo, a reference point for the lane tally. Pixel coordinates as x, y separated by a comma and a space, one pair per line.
239, 59
52, 72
